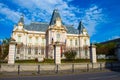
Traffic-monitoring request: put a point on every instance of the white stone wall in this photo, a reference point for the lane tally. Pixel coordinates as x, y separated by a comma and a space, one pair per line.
26, 35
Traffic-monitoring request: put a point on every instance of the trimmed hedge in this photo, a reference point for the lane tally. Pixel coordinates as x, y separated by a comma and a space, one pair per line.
63, 61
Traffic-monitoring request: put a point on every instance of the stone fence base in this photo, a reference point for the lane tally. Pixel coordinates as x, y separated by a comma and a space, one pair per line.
42, 68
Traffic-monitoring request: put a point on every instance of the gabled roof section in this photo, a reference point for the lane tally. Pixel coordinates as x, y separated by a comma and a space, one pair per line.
55, 15
80, 27
37, 26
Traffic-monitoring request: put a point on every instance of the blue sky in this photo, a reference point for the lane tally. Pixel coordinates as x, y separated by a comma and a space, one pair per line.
100, 17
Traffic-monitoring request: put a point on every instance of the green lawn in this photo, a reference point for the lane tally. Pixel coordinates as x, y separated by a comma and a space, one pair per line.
63, 61
66, 61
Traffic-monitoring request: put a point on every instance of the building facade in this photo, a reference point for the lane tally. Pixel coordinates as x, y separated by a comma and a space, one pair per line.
37, 39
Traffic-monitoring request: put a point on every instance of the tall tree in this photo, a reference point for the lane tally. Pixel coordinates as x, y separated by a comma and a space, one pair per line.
5, 48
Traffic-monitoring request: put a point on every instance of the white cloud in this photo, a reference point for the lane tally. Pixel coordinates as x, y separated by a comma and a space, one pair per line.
10, 14
114, 37
45, 8
41, 10
93, 16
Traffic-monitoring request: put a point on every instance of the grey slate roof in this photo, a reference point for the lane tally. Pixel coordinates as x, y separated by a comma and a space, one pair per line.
71, 29
37, 26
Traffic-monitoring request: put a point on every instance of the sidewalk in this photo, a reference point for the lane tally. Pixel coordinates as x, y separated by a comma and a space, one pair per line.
47, 73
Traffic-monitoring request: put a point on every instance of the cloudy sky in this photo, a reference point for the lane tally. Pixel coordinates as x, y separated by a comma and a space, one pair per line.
100, 17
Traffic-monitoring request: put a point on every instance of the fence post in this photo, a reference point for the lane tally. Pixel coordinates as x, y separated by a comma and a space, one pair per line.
100, 66
111, 66
72, 68
92, 65
0, 68
18, 69
57, 68
87, 67
38, 69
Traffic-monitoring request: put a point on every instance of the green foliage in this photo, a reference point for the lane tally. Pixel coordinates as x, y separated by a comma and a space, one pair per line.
35, 61
4, 48
107, 60
76, 61
25, 61
107, 49
70, 54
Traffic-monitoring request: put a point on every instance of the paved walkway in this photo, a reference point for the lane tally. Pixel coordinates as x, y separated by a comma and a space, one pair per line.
110, 75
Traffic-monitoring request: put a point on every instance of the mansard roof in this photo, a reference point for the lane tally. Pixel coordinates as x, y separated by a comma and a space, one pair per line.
38, 26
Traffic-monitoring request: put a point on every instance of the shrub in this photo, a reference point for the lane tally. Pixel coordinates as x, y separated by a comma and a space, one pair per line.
70, 54
36, 59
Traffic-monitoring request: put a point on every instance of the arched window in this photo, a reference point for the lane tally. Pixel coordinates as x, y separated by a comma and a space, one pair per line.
19, 38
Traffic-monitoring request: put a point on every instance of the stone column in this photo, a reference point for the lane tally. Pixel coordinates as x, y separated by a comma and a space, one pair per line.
93, 53
12, 52
57, 54
117, 51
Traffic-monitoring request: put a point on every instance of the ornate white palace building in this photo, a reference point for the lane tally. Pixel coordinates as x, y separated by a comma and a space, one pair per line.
38, 38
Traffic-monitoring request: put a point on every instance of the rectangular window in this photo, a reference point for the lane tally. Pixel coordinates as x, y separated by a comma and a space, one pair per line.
36, 51
70, 42
86, 53
42, 50
30, 40
36, 40
85, 42
18, 50
29, 50
43, 42
17, 58
75, 42
29, 57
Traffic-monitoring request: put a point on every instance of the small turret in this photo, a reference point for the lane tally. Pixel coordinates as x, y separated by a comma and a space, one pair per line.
81, 27
21, 19
21, 22
55, 16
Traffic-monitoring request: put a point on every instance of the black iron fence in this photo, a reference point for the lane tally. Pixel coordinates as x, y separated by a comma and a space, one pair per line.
27, 69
